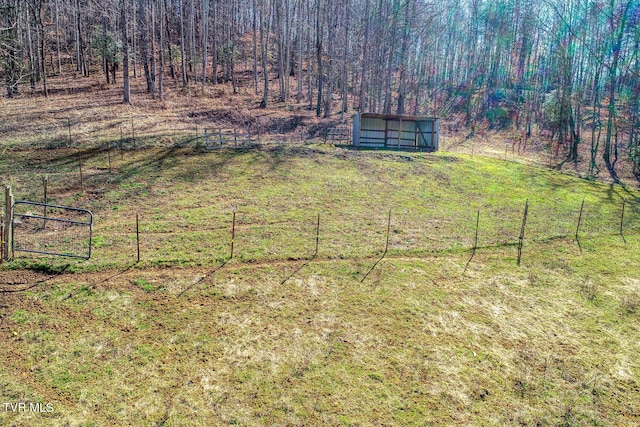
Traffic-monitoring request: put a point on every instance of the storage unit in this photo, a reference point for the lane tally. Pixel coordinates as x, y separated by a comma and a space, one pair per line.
372, 130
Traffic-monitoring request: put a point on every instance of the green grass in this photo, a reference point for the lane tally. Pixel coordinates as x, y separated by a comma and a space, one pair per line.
184, 200
271, 338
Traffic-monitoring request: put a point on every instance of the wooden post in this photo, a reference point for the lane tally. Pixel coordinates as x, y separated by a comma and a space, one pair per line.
109, 156
233, 230
133, 134
524, 223
121, 140
235, 138
45, 182
69, 127
579, 222
8, 197
138, 235
2, 238
81, 177
386, 132
506, 147
220, 137
317, 236
624, 202
386, 246
475, 243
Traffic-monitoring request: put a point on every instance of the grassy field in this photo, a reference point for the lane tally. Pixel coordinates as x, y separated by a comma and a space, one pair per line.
276, 336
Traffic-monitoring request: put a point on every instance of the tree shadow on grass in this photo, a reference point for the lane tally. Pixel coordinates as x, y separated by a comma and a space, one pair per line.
199, 280
296, 271
54, 272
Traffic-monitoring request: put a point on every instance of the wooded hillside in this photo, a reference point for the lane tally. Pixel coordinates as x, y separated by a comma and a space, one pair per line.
567, 67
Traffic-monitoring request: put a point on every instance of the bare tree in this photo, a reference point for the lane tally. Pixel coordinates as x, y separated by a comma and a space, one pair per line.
125, 54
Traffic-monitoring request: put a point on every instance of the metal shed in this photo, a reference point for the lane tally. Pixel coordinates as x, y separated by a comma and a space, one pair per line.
372, 130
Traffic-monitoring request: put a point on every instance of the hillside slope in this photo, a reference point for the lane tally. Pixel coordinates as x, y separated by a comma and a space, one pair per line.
278, 336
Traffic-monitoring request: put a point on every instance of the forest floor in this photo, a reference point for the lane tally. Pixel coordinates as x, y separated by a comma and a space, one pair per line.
425, 331
87, 113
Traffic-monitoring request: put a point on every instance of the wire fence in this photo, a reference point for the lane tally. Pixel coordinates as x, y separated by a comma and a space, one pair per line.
195, 238
141, 131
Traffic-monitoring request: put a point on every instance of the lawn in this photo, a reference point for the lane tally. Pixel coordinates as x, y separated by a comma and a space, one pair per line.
280, 335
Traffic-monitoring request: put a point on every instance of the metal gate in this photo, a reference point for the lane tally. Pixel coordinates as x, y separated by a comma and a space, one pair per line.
50, 229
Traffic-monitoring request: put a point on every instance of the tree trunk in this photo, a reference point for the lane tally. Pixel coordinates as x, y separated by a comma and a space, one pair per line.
214, 54
125, 53
299, 37
331, 24
57, 24
319, 51
105, 60
408, 13
144, 44
263, 47
345, 56
161, 12
364, 64
205, 39
182, 47
169, 50
254, 28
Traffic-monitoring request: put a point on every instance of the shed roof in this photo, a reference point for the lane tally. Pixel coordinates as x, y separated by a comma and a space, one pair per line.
395, 117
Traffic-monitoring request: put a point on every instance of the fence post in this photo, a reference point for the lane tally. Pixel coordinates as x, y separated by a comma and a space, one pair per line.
45, 182
624, 202
138, 235
317, 236
2, 238
81, 177
109, 156
475, 243
69, 127
524, 223
233, 230
386, 246
220, 137
121, 141
133, 134
8, 198
579, 222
